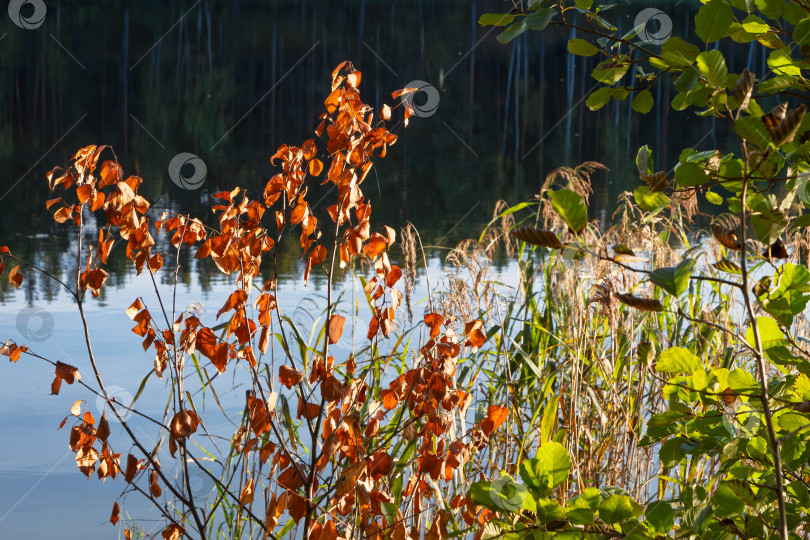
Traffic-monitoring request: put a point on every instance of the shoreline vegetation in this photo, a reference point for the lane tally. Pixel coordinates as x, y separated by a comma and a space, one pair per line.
645, 380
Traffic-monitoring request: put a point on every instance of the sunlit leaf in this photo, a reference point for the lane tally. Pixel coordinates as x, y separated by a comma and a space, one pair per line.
677, 360
674, 280
571, 207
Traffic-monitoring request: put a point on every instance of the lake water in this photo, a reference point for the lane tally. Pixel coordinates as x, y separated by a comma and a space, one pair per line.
229, 82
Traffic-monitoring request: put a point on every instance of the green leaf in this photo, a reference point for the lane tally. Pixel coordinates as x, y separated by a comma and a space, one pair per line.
792, 421
501, 495
713, 198
671, 452
726, 503
495, 19
768, 222
649, 200
549, 468
792, 277
644, 160
571, 207
677, 53
599, 98
782, 64
689, 174
728, 266
753, 130
769, 40
801, 222
712, 65
777, 84
665, 418
610, 71
643, 102
548, 510
755, 25
615, 509
674, 280
677, 360
580, 47
713, 20
801, 33
660, 516
549, 419
740, 380
539, 19
770, 334
512, 32
580, 510
784, 306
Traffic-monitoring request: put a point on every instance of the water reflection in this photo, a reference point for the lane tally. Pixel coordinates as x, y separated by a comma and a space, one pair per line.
229, 82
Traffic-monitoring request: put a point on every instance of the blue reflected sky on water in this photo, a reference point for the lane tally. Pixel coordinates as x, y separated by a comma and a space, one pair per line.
38, 470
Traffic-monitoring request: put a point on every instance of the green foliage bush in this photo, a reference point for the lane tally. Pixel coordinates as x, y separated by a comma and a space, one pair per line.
713, 357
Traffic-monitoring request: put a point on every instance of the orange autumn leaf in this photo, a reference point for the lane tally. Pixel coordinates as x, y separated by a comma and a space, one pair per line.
64, 372
111, 173
184, 423
235, 301
259, 415
309, 410
63, 214
475, 336
315, 167
93, 280
434, 321
209, 346
496, 415
246, 496
172, 532
351, 475
385, 113
132, 468
14, 277
336, 323
402, 92
289, 377
373, 327
86, 459
84, 192
12, 350
115, 512
77, 407
375, 245
154, 487
393, 276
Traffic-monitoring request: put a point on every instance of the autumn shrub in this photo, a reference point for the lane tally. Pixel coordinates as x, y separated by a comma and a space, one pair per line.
378, 438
